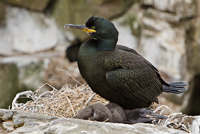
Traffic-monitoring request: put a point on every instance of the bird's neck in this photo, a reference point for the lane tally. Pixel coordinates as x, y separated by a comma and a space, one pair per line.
106, 45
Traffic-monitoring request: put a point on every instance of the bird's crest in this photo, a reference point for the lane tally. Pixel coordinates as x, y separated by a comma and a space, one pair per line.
91, 21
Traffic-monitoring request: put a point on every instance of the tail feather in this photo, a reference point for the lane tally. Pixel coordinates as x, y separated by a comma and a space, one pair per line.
175, 87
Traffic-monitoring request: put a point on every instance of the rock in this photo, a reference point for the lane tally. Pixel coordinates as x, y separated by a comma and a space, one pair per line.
30, 72
125, 37
8, 126
162, 34
38, 5
21, 118
192, 71
6, 114
166, 41
169, 17
25, 122
183, 9
20, 73
37, 33
162, 42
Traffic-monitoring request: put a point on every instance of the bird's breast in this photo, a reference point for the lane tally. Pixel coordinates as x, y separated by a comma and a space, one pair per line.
89, 64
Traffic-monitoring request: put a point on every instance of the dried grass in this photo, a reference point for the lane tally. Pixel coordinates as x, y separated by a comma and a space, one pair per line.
67, 101
174, 120
61, 103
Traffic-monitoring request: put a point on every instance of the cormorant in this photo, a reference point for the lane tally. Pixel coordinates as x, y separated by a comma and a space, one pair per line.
118, 73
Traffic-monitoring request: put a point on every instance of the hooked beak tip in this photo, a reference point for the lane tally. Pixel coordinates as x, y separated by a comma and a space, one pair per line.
67, 26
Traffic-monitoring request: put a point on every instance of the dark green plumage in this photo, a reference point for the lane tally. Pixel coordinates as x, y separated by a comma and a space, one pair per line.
118, 73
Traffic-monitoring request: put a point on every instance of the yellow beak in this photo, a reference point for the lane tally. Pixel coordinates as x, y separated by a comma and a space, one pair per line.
80, 27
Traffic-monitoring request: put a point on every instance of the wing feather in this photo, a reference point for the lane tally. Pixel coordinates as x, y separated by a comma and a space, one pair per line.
131, 88
132, 75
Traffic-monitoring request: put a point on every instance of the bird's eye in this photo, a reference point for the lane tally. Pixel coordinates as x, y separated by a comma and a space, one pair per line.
93, 27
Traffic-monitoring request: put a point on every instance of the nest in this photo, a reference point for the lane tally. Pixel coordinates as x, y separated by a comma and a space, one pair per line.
175, 120
61, 103
67, 101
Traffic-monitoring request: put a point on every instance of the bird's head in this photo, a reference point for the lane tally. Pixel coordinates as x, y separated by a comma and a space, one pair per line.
98, 28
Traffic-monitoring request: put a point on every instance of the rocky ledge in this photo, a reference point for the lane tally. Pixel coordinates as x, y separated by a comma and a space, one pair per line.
15, 122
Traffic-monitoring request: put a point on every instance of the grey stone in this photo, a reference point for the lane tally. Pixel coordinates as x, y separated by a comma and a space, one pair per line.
8, 126
182, 8
20, 118
6, 43
37, 33
20, 73
38, 5
6, 114
33, 123
169, 17
125, 34
163, 45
